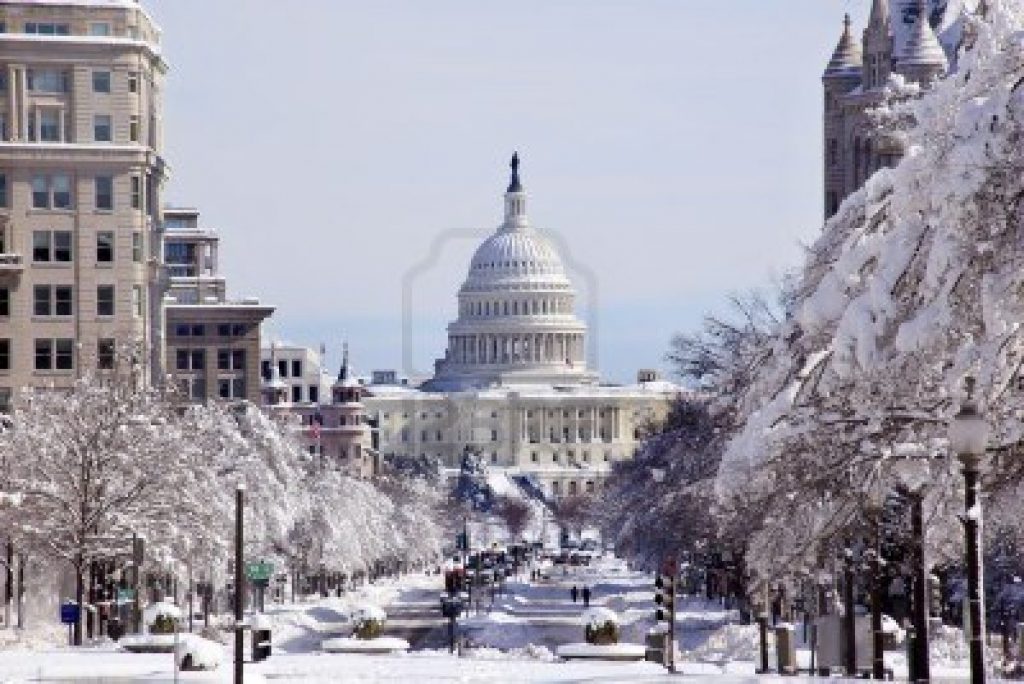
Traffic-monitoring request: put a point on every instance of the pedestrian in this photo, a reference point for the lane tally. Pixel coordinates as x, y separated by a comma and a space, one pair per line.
586, 597
574, 592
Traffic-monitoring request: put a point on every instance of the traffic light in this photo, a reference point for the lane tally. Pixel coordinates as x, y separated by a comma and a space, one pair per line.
664, 597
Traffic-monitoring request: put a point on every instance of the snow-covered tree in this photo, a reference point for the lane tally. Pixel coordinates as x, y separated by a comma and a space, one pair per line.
914, 284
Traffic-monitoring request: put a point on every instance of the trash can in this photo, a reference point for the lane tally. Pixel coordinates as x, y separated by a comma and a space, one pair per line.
261, 634
785, 648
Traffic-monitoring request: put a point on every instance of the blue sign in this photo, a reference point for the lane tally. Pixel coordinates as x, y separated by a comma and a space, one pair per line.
69, 613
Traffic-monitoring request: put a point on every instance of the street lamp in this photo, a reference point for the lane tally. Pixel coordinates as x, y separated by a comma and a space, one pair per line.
968, 437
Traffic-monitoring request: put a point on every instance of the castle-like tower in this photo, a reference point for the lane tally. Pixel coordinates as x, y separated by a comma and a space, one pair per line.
915, 39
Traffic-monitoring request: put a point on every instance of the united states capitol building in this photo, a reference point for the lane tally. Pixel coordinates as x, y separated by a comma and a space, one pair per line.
513, 387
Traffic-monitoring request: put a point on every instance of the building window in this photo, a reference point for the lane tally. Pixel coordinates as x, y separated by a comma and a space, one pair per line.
190, 359
231, 388
51, 246
133, 82
61, 184
105, 247
47, 80
51, 191
102, 129
54, 354
101, 81
231, 359
136, 192
3, 186
282, 369
5, 355
99, 29
105, 192
104, 300
5, 301
48, 300
296, 394
833, 152
265, 369
42, 303
296, 368
137, 300
535, 457
133, 129
49, 125
137, 247
63, 300
47, 28
105, 354
314, 394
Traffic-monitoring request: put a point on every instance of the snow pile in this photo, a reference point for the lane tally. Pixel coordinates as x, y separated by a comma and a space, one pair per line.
597, 617
727, 644
367, 611
196, 653
160, 609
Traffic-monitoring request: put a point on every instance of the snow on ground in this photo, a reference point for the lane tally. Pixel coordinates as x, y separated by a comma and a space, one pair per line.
512, 640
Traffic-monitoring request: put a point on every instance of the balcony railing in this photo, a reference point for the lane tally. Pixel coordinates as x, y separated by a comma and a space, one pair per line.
11, 263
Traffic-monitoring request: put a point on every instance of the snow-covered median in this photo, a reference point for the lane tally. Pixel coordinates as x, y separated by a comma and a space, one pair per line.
601, 651
366, 646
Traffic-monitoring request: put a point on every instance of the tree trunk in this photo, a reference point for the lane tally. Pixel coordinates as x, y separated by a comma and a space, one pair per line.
79, 598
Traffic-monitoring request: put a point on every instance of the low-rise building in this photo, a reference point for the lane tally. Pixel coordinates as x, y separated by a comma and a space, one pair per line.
212, 343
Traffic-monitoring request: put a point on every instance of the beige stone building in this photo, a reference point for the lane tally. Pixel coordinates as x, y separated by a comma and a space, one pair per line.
514, 386
212, 343
916, 40
81, 173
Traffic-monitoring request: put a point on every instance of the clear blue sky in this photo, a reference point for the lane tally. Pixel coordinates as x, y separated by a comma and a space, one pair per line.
673, 146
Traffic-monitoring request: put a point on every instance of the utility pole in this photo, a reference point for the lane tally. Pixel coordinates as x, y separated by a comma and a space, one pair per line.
239, 579
922, 669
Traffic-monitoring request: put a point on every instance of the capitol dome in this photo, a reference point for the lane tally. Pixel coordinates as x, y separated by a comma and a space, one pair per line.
517, 321
512, 257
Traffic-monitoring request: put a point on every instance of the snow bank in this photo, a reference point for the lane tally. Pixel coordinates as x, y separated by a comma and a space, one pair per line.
353, 645
598, 616
196, 653
602, 651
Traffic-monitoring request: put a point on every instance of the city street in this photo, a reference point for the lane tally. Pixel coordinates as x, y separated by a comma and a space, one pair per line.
513, 639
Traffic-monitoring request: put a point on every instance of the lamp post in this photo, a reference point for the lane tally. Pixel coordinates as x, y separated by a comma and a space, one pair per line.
968, 437
239, 579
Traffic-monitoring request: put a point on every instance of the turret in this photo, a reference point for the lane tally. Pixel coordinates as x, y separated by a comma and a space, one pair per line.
877, 46
842, 75
921, 58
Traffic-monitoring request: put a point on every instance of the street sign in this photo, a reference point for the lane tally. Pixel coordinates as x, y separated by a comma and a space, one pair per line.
69, 613
125, 595
259, 571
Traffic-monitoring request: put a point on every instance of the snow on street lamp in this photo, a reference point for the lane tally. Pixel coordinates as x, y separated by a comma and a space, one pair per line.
968, 437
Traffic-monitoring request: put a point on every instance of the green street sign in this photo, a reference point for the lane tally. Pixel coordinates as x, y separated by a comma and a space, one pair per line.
259, 571
125, 595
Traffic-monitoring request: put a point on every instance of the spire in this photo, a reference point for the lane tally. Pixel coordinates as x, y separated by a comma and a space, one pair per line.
879, 13
922, 47
514, 185
847, 55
